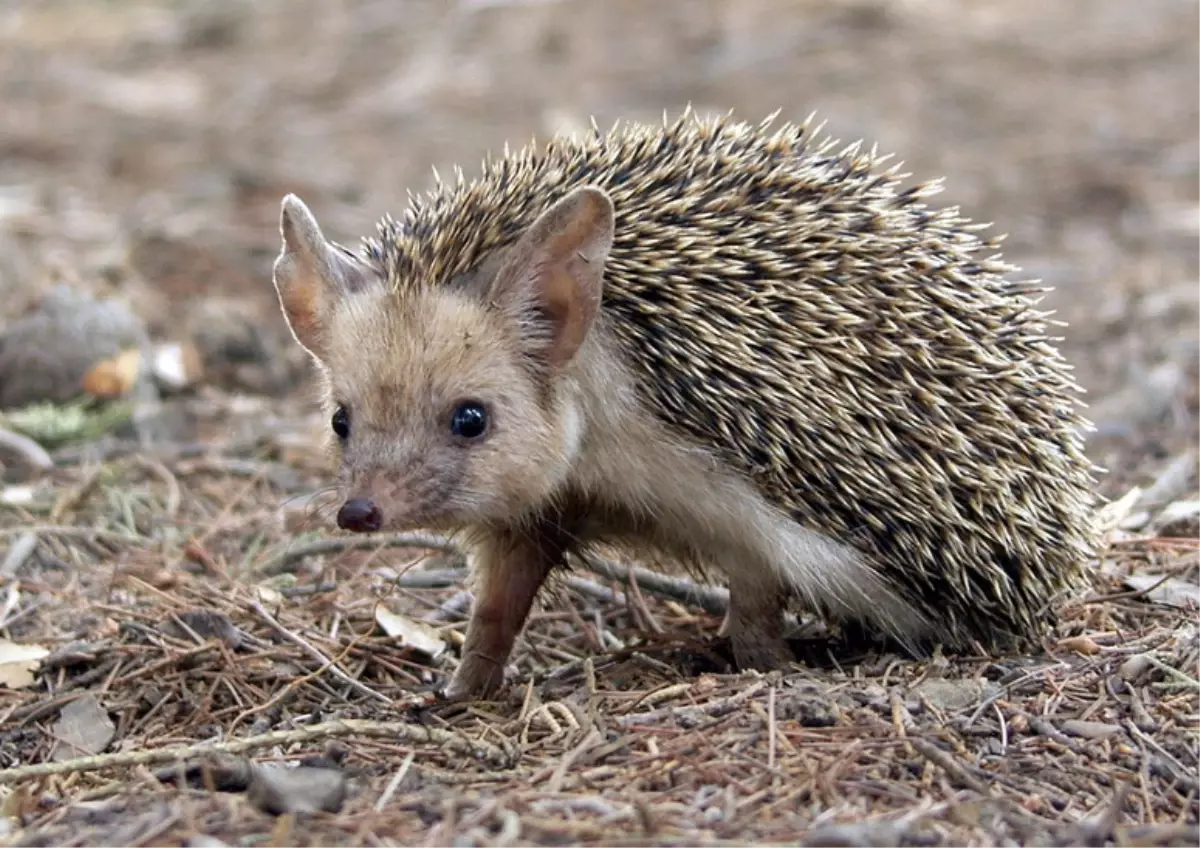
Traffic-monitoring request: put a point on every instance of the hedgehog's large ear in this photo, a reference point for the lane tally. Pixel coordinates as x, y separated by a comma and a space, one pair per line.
311, 276
553, 277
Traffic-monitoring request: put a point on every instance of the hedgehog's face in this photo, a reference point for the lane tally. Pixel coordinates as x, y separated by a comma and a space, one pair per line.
450, 406
435, 419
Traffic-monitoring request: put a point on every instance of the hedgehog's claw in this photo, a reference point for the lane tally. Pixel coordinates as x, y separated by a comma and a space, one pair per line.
476, 678
755, 628
761, 653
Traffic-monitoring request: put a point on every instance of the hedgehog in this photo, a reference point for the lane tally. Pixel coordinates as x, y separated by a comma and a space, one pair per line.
745, 349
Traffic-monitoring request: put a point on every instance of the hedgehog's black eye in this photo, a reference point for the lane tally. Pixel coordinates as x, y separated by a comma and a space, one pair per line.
469, 420
341, 423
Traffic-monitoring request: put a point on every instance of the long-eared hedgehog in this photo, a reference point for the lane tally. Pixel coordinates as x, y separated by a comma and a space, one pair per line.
711, 343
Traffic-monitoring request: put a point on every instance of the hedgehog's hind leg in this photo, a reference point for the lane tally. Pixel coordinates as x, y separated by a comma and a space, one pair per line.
756, 624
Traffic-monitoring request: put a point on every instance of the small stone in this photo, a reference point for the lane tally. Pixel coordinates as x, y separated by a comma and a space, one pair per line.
1134, 667
1089, 729
201, 840
84, 332
206, 624
177, 366
278, 790
83, 728
955, 694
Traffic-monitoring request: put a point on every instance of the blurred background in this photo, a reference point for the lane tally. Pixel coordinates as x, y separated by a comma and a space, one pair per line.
145, 146
161, 482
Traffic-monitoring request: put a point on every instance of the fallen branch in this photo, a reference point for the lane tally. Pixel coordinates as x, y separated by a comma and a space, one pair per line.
403, 731
326, 662
714, 600
32, 452
280, 562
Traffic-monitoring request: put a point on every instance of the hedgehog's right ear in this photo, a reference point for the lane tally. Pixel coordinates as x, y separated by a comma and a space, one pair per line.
552, 278
312, 276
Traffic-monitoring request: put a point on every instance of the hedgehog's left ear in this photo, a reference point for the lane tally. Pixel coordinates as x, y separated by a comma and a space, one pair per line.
312, 276
553, 277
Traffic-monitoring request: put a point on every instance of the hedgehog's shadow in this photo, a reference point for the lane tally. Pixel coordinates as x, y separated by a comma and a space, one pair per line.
824, 651
829, 650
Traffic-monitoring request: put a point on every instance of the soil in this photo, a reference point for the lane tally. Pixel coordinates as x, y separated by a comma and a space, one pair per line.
187, 591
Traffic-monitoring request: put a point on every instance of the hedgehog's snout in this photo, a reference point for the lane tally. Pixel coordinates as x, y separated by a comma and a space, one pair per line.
360, 515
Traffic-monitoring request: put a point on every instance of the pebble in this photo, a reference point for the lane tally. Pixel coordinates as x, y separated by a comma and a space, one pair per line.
45, 353
1089, 729
1134, 667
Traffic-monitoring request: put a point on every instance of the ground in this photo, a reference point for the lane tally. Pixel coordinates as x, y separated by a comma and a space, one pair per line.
167, 603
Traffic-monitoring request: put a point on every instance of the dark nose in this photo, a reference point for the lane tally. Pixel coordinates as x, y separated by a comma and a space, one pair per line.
360, 515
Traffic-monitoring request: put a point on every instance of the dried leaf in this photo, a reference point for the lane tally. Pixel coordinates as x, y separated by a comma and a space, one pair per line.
18, 663
1080, 645
1174, 515
17, 495
1112, 514
409, 632
115, 377
83, 728
1176, 480
177, 365
268, 596
1172, 592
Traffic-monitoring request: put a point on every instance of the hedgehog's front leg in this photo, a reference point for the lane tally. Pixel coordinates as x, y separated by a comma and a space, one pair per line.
510, 567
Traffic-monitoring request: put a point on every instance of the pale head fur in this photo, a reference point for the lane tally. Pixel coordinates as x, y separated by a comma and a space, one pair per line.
401, 360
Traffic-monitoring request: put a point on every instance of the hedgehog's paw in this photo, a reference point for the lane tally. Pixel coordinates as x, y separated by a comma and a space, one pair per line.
755, 626
476, 678
760, 652
757, 640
